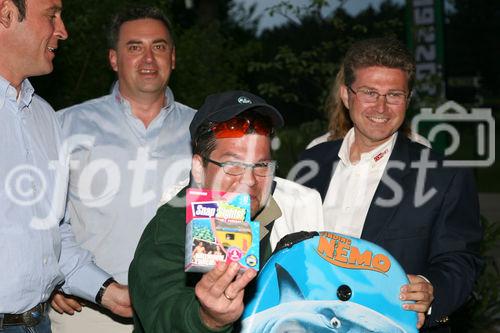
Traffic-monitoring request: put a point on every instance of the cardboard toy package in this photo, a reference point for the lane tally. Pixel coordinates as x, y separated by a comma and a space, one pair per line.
218, 228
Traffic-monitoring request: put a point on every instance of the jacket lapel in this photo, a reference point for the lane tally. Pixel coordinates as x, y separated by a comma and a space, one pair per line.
379, 216
326, 168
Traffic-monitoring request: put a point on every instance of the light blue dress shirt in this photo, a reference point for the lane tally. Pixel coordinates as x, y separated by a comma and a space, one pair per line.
119, 172
37, 252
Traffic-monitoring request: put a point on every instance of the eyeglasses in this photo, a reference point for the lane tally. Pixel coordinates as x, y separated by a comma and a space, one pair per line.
366, 95
261, 169
239, 126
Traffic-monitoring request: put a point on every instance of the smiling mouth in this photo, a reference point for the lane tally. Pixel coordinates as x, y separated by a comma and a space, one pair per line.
52, 49
255, 198
379, 120
148, 71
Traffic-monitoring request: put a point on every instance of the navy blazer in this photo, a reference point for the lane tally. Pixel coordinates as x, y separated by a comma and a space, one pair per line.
436, 236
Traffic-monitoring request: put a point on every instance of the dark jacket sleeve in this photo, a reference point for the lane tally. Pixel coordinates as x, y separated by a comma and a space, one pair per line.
454, 263
162, 293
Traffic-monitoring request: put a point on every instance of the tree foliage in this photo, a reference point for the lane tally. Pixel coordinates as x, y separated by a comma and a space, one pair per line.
300, 58
211, 54
472, 47
482, 312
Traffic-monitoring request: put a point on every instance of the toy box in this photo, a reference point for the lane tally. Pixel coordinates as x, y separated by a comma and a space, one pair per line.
218, 228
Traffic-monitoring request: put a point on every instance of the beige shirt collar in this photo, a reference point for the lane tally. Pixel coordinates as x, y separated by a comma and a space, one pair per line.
269, 214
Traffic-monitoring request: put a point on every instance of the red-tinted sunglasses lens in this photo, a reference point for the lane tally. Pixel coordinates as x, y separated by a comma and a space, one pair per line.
237, 127
262, 126
233, 128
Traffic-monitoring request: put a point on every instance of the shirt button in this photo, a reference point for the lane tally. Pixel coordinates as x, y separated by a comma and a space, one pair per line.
45, 261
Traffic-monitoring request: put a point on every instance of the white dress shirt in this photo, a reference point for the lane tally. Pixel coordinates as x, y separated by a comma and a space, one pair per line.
353, 186
119, 172
37, 253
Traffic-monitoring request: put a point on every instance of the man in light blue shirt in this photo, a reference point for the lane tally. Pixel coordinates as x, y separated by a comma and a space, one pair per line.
37, 252
130, 150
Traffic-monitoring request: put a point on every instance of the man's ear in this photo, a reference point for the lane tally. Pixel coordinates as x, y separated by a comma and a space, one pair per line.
113, 59
408, 99
173, 59
197, 170
7, 13
344, 95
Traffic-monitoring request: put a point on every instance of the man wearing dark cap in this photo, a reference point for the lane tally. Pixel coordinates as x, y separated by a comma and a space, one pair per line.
231, 138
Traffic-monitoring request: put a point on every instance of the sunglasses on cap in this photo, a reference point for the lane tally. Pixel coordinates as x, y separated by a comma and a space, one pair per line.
239, 126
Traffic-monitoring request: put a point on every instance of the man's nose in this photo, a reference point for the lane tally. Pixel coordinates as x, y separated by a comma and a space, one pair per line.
60, 30
148, 55
381, 104
248, 177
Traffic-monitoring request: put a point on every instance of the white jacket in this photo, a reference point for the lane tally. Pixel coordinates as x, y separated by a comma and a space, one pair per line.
301, 210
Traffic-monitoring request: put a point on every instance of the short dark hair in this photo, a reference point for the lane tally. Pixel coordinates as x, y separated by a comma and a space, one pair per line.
133, 13
21, 7
204, 141
385, 52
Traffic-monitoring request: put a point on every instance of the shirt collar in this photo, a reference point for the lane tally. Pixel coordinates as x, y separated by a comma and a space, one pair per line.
270, 213
26, 95
4, 88
7, 91
375, 156
119, 99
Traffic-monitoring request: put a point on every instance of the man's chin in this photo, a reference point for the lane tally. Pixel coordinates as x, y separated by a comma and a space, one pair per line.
153, 86
47, 69
256, 210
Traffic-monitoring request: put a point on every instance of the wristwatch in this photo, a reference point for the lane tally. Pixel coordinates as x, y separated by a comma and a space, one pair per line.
100, 293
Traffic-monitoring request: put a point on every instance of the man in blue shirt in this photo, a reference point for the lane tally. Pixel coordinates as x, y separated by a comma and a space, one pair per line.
130, 150
38, 252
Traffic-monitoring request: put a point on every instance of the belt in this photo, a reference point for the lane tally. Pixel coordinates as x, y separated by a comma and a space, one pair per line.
32, 317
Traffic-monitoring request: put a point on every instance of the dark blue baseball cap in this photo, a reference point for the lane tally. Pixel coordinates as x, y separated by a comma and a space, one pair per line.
227, 105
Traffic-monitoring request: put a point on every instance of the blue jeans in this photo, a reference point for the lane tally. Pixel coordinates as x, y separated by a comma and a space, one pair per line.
42, 327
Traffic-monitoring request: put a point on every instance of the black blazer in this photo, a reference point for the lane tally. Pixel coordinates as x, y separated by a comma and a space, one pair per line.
436, 236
